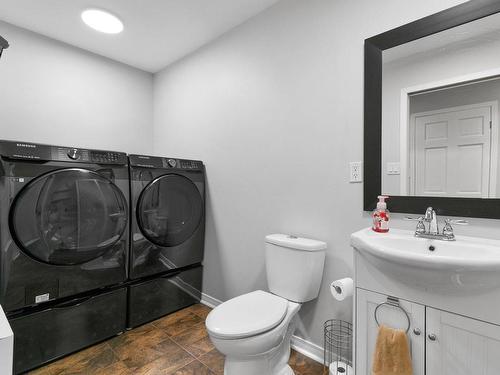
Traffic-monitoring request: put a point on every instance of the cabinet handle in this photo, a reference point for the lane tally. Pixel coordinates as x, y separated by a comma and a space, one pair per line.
431, 336
417, 331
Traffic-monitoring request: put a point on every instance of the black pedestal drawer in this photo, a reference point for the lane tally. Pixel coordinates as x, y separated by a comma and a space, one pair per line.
62, 329
149, 300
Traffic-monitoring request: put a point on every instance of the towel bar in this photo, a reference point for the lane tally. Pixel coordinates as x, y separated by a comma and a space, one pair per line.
394, 302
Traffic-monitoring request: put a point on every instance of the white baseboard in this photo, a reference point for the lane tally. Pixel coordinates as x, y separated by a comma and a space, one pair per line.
209, 300
307, 348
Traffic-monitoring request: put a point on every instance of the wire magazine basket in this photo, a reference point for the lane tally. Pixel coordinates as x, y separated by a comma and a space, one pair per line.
338, 347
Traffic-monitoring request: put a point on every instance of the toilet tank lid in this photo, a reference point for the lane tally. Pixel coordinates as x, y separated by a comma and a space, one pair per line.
294, 242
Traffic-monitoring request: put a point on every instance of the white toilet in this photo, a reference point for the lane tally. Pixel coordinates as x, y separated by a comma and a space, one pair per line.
254, 330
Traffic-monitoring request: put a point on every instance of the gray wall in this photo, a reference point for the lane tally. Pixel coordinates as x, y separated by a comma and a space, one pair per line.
51, 92
275, 109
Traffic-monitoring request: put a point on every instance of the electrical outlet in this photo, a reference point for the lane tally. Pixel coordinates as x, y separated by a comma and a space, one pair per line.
356, 171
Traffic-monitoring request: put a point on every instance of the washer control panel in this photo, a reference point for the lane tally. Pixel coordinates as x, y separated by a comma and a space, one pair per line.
164, 163
69, 154
35, 151
191, 164
107, 157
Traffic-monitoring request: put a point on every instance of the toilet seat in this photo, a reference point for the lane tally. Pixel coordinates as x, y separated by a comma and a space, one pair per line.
247, 315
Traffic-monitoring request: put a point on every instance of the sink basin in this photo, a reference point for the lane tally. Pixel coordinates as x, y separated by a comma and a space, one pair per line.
467, 264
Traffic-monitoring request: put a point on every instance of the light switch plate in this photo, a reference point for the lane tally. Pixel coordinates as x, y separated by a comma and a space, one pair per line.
393, 168
356, 171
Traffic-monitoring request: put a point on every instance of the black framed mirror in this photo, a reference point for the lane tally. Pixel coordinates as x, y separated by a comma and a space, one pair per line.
424, 143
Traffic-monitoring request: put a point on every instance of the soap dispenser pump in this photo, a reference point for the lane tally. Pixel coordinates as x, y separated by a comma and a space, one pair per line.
381, 216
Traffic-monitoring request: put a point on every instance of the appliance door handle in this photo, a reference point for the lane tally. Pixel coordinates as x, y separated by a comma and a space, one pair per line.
170, 275
73, 303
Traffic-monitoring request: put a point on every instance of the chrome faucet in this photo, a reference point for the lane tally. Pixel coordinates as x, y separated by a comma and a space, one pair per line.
431, 218
432, 230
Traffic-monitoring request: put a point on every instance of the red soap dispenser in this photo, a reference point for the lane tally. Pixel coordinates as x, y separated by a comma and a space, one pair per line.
381, 216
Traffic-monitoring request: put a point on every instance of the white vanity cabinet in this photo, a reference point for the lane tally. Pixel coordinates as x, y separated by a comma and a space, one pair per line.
367, 329
457, 345
450, 290
441, 343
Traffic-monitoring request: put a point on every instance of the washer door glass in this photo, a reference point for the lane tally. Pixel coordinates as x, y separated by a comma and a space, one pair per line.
68, 217
169, 210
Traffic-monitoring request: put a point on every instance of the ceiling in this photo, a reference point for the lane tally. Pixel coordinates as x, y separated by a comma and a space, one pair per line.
157, 32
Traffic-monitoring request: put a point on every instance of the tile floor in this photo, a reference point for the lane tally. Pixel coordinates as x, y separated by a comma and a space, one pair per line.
176, 344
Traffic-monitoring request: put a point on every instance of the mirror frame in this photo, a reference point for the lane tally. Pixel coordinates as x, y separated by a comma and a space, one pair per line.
374, 46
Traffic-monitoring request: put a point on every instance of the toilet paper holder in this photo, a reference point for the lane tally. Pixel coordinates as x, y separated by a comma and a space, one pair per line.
338, 347
394, 302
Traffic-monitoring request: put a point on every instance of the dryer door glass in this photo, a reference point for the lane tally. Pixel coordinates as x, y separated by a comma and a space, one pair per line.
169, 210
68, 216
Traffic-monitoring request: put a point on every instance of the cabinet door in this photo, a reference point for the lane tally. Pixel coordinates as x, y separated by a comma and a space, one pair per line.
457, 345
367, 329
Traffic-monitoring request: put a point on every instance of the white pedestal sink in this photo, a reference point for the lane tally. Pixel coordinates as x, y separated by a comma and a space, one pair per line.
466, 265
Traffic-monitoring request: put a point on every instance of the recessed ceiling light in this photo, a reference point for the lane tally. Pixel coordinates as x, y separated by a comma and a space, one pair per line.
102, 21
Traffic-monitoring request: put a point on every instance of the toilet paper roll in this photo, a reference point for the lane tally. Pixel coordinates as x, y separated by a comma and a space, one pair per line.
340, 368
342, 288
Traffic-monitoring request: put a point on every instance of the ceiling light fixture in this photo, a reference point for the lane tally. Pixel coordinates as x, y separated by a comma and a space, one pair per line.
102, 21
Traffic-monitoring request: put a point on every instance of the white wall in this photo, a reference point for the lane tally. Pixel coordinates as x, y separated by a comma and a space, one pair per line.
53, 93
275, 109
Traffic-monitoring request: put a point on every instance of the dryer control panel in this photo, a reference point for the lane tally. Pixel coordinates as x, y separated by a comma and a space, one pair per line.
41, 152
146, 161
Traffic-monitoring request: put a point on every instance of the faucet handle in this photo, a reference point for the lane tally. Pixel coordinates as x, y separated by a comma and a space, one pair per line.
420, 225
448, 229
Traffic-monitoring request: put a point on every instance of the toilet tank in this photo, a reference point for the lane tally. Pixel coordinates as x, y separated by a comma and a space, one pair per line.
294, 266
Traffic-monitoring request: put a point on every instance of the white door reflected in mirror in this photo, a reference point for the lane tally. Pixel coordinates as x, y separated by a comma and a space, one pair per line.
451, 152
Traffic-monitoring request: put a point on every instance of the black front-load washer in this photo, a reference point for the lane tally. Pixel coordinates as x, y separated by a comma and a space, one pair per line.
168, 214
63, 222
167, 234
64, 242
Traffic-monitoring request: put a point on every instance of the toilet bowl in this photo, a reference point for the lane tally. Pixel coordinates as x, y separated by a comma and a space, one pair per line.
254, 330
256, 338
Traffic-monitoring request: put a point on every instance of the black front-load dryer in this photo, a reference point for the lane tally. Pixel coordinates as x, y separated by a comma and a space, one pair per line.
63, 222
168, 214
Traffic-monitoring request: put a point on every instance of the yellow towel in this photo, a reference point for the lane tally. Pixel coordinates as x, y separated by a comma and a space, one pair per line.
392, 353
